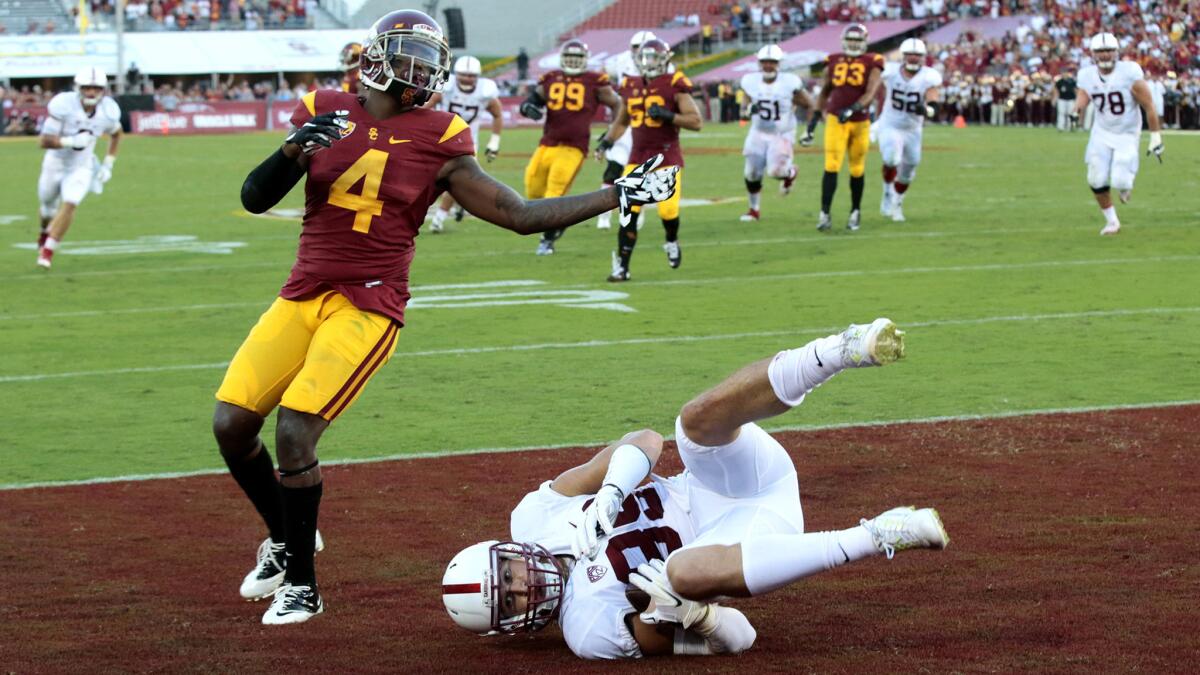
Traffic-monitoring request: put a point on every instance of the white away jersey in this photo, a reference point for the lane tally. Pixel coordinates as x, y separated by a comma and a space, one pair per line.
774, 99
593, 609
469, 105
1112, 97
66, 117
904, 106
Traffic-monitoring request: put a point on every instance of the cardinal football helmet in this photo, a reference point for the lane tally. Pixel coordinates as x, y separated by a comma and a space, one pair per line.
92, 76
652, 58
854, 40
350, 56
573, 57
1104, 47
406, 55
914, 48
474, 584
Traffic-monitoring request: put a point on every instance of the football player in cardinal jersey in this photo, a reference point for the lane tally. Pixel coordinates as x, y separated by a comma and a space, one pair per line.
348, 62
912, 95
74, 122
466, 95
630, 568
374, 165
657, 102
850, 82
771, 100
570, 96
1115, 89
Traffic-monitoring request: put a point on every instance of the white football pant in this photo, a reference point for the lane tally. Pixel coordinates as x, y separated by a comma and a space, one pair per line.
901, 148
1112, 160
770, 154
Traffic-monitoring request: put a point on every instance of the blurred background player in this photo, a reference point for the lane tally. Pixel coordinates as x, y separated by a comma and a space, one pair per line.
570, 96
349, 62
771, 99
849, 85
618, 67
467, 95
75, 120
911, 96
1115, 88
656, 103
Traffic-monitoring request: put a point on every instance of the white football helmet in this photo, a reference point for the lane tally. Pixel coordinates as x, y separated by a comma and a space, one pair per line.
1104, 47
640, 38
914, 47
769, 57
474, 582
92, 76
466, 73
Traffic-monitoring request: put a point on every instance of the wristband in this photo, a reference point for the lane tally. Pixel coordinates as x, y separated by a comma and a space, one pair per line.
494, 143
627, 467
109, 161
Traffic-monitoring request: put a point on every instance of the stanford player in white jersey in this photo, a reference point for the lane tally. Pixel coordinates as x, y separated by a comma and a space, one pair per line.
1115, 89
631, 571
912, 95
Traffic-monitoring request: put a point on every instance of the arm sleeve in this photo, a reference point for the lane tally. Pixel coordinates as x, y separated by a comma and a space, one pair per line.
270, 182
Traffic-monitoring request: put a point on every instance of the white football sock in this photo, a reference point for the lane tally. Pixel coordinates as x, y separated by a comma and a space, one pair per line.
1110, 215
755, 200
51, 244
795, 372
773, 561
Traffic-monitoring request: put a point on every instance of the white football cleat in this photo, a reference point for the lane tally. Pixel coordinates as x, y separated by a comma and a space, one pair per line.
294, 604
898, 213
674, 254
1111, 228
1124, 196
43, 262
854, 221
885, 202
824, 222
875, 344
267, 575
619, 273
750, 216
436, 226
904, 527
545, 247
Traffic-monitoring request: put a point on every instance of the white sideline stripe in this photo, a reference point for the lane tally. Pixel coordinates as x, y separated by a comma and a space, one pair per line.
594, 443
662, 282
637, 341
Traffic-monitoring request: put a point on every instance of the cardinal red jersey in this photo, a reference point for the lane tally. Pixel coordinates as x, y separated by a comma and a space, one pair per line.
365, 198
849, 76
571, 102
651, 137
350, 81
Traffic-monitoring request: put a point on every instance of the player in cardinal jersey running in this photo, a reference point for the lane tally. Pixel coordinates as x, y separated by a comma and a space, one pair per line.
570, 96
467, 95
75, 121
850, 82
657, 102
911, 95
374, 165
729, 526
771, 100
1115, 89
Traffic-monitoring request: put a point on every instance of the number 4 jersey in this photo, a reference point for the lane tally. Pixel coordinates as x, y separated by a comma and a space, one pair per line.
365, 198
904, 105
594, 606
1117, 112
772, 100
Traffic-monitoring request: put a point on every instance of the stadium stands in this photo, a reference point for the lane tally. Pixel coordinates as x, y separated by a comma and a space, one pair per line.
641, 14
31, 17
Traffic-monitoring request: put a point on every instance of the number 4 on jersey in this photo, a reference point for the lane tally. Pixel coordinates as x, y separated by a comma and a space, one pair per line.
365, 205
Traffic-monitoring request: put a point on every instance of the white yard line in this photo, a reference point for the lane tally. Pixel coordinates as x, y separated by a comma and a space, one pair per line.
597, 443
588, 344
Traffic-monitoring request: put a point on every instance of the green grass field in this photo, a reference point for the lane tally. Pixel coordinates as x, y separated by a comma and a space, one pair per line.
1012, 300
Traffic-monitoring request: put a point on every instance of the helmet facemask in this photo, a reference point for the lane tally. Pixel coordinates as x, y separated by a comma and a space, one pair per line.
545, 582
573, 59
651, 62
913, 61
409, 65
1106, 59
854, 43
90, 95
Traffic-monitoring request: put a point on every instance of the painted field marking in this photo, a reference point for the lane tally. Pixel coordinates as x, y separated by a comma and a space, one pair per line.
8, 219
186, 243
1005, 414
587, 344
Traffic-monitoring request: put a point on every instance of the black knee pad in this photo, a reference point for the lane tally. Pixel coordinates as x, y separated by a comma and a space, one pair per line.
612, 172
753, 186
1099, 190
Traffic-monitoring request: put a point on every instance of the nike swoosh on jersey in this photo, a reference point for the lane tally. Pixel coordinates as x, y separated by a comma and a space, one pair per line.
393, 141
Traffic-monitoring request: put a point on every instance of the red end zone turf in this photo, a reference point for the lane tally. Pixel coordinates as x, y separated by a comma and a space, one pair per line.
1073, 546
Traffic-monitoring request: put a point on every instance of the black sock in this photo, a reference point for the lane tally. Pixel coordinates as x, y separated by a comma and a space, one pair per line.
626, 240
828, 187
300, 513
257, 479
856, 190
552, 235
672, 228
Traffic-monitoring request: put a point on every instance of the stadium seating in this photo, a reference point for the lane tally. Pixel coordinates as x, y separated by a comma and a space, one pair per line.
642, 14
22, 17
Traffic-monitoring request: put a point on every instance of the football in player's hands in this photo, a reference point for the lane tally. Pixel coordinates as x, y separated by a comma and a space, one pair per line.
669, 606
319, 132
660, 113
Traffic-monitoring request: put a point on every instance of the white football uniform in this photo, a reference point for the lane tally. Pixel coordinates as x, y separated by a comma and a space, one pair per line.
1112, 150
723, 496
618, 68
769, 143
67, 173
470, 106
903, 118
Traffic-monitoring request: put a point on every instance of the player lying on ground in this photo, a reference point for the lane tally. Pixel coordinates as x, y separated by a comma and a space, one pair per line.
730, 525
374, 165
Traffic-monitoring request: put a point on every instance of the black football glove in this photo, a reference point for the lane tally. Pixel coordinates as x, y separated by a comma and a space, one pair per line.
754, 108
603, 145
846, 114
657, 112
319, 132
530, 110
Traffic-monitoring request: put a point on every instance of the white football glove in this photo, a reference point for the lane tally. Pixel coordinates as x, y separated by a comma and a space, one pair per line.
1156, 146
493, 147
669, 607
77, 142
644, 185
104, 171
597, 522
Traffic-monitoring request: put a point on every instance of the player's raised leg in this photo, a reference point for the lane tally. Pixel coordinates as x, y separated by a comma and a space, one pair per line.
755, 167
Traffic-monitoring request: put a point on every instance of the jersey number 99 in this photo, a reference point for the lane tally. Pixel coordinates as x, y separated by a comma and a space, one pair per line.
567, 95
